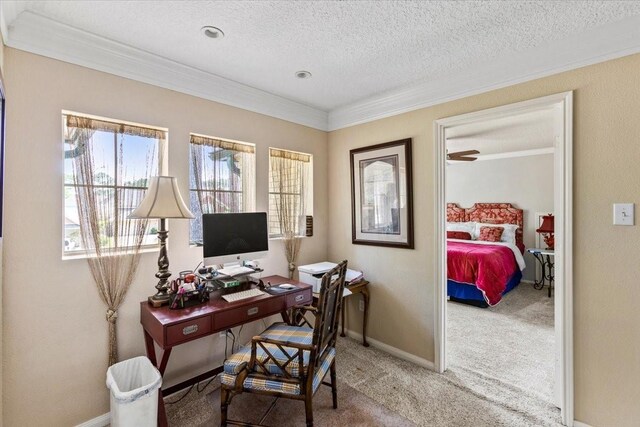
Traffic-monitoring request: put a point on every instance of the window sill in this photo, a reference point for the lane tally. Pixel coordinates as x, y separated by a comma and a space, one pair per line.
84, 255
282, 238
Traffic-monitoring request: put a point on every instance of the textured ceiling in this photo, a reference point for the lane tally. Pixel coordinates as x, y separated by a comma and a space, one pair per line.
528, 131
355, 49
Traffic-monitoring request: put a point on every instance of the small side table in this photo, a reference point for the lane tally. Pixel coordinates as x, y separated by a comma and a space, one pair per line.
545, 258
362, 287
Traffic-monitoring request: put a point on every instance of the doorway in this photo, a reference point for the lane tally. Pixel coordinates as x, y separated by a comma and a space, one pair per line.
562, 196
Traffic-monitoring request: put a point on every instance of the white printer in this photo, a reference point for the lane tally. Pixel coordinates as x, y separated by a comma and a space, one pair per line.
312, 274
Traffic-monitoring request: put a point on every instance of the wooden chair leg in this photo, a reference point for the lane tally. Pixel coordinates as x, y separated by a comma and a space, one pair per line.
308, 407
224, 403
334, 388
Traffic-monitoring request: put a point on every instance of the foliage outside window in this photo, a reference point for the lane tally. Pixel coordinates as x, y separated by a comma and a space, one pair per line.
115, 160
222, 179
290, 192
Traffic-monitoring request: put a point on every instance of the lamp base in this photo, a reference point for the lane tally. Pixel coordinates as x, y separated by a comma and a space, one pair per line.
158, 300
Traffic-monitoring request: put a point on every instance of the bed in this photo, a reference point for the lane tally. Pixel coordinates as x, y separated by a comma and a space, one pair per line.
482, 272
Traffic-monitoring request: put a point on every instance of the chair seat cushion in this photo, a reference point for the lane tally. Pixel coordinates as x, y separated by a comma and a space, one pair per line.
281, 332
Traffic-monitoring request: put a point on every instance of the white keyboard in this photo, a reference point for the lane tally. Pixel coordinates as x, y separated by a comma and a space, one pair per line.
235, 271
237, 296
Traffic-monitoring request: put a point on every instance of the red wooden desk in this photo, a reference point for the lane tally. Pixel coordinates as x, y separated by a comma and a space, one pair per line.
169, 328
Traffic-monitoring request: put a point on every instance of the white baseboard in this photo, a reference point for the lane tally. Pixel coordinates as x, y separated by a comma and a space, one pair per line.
580, 424
393, 351
101, 421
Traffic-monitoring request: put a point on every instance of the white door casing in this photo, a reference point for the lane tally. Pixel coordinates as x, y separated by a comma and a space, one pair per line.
563, 206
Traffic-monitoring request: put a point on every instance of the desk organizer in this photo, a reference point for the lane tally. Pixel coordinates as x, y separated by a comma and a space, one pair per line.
188, 299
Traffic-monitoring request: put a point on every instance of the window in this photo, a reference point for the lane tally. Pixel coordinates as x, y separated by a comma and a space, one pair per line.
221, 177
290, 192
107, 165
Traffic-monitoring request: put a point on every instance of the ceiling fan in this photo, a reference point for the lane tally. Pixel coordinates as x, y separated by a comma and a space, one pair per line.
463, 156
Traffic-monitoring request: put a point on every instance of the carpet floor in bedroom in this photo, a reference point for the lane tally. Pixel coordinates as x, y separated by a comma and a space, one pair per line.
377, 389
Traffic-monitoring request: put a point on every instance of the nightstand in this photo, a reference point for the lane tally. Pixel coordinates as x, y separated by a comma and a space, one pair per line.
545, 258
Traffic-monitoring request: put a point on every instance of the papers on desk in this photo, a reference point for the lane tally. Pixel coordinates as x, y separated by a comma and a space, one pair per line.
353, 276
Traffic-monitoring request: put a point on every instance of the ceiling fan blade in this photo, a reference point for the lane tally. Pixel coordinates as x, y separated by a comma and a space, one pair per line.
462, 159
464, 153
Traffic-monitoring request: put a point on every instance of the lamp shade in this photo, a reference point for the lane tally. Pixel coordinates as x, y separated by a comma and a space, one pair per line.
163, 200
547, 224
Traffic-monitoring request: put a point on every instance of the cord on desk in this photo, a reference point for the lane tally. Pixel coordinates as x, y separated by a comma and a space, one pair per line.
196, 269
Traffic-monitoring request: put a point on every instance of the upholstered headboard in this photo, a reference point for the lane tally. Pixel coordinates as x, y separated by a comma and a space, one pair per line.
455, 213
490, 213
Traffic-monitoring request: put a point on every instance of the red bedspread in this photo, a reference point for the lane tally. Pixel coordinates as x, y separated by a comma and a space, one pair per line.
488, 267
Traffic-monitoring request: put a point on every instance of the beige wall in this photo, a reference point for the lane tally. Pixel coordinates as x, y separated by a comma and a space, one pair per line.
54, 325
606, 289
527, 182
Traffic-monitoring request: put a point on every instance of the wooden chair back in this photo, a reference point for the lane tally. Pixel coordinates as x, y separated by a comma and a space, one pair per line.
325, 331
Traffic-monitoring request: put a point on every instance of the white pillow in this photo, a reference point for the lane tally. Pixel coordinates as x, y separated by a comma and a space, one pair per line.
468, 227
508, 235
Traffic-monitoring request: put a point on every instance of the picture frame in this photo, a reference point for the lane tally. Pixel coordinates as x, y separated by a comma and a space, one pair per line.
382, 195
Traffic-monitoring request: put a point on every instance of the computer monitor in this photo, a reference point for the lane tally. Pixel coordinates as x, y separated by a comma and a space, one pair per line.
234, 237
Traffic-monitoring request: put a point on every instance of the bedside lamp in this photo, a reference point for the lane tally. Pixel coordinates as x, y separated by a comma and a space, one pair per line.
546, 229
162, 201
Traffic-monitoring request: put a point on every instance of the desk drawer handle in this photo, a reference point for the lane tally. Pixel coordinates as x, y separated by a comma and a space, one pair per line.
252, 311
299, 298
189, 329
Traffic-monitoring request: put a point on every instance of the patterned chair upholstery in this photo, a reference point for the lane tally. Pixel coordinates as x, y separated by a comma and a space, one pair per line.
290, 360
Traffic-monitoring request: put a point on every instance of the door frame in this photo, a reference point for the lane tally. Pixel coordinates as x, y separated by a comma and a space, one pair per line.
563, 207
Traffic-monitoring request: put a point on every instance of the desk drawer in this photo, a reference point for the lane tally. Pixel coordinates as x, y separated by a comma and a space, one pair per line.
189, 330
299, 298
248, 312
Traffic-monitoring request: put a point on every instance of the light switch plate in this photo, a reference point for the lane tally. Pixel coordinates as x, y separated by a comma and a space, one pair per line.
623, 214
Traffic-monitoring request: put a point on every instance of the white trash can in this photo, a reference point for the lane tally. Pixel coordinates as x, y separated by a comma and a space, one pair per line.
134, 385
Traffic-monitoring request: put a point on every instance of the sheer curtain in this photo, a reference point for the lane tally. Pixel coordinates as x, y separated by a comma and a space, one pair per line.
289, 186
112, 241
222, 178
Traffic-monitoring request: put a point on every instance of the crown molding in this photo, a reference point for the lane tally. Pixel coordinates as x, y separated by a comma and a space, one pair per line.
43, 36
596, 45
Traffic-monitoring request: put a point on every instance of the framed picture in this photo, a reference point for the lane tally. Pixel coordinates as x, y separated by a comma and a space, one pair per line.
381, 195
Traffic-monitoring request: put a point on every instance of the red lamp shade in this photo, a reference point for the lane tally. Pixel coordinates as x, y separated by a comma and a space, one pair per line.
547, 224
547, 229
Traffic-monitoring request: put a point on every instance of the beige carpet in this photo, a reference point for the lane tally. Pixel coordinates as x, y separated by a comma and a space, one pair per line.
511, 343
377, 389
354, 409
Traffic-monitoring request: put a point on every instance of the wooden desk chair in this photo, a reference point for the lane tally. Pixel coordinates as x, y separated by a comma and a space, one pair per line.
290, 360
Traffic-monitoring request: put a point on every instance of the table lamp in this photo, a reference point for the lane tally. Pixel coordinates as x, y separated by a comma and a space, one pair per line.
162, 201
546, 229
